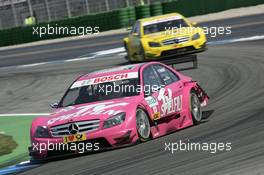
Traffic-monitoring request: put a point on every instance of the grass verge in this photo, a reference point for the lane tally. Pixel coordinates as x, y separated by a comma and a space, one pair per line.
18, 127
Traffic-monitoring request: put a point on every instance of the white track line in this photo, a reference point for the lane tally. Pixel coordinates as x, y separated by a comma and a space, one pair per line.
252, 38
122, 54
110, 51
30, 65
80, 59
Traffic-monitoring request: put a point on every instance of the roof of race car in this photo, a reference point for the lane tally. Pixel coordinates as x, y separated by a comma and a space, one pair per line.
161, 17
108, 75
112, 71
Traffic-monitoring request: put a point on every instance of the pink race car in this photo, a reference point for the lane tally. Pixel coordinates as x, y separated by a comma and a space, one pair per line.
116, 107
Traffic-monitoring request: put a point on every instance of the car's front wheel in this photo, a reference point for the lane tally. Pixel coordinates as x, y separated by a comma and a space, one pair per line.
195, 107
143, 125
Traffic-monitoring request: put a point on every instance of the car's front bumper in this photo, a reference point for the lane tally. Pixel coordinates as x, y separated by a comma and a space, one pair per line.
106, 138
174, 51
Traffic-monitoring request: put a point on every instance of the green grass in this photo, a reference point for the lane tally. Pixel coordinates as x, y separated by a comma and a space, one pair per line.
19, 128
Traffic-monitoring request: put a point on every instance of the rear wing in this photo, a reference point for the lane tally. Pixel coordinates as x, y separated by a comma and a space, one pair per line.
183, 59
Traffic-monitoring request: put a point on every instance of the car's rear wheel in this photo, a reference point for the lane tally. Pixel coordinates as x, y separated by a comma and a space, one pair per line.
143, 125
128, 57
195, 107
142, 53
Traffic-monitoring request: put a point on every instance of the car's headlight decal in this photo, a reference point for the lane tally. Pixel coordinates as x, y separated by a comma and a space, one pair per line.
115, 120
154, 44
196, 36
42, 132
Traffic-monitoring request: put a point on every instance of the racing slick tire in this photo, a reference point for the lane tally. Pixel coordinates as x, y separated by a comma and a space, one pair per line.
142, 53
143, 125
195, 107
128, 57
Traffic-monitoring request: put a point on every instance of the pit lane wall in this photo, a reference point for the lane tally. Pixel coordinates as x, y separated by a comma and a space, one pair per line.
120, 18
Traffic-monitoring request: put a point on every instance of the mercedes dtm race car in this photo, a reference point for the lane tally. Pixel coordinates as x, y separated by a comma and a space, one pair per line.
116, 107
163, 36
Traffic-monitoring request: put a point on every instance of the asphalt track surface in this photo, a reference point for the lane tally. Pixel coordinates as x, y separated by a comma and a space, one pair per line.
232, 74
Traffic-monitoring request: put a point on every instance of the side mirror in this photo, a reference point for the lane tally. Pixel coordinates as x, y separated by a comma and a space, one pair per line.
194, 24
54, 105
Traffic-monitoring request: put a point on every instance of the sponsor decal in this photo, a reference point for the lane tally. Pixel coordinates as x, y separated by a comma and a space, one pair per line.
156, 21
156, 116
110, 78
68, 108
104, 79
74, 138
94, 109
168, 103
152, 101
127, 67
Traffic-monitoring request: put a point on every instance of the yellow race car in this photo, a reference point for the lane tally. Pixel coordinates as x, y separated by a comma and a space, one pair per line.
159, 37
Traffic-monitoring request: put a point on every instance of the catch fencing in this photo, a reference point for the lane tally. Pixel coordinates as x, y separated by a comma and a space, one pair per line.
119, 18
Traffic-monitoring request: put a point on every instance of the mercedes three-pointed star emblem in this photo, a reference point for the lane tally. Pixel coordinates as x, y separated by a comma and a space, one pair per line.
73, 128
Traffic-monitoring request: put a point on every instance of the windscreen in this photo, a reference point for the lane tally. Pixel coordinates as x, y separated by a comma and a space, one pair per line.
100, 92
156, 27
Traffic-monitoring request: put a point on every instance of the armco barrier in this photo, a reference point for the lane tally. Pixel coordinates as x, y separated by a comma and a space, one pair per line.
123, 17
